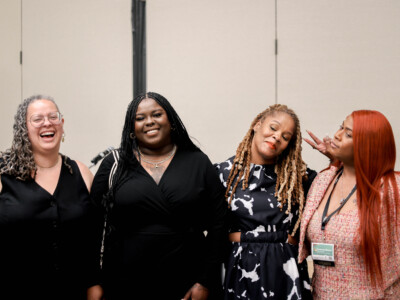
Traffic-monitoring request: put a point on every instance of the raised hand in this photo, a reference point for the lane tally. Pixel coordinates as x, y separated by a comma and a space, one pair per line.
323, 146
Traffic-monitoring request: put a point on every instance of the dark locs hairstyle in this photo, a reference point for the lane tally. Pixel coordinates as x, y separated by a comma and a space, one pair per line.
18, 160
289, 167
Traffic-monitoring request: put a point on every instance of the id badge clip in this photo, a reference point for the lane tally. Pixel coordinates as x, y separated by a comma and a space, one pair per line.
323, 254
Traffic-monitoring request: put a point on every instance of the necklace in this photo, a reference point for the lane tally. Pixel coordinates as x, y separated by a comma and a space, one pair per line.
157, 163
41, 167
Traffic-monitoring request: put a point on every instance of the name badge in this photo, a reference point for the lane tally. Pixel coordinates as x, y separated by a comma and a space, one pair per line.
323, 254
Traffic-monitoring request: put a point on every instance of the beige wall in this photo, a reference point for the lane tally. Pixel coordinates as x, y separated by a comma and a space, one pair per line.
213, 59
79, 52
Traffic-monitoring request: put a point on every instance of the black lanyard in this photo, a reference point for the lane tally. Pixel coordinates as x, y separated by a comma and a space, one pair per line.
325, 218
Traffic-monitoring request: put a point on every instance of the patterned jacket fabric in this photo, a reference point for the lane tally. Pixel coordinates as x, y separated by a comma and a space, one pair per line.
348, 278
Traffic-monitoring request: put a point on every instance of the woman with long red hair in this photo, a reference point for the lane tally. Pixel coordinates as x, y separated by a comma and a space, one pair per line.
351, 222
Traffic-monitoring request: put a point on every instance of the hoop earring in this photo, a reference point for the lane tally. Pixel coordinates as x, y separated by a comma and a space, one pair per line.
132, 136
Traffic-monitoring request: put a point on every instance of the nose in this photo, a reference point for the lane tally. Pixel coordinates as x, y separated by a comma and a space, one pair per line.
46, 121
338, 134
277, 136
149, 121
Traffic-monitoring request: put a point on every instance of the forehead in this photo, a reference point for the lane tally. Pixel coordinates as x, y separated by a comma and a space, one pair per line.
282, 118
41, 106
348, 122
148, 105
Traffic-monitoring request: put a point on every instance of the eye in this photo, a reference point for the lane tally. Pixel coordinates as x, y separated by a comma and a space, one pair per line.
286, 138
273, 128
157, 115
341, 127
348, 135
37, 118
139, 118
53, 117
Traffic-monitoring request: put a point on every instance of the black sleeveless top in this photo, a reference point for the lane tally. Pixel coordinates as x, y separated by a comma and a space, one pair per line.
47, 241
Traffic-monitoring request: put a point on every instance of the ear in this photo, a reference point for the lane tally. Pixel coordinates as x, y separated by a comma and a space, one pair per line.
257, 126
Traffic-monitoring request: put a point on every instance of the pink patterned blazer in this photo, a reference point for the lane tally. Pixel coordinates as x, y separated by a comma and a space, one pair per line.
349, 280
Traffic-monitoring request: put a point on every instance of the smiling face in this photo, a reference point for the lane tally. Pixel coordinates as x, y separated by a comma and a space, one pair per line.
271, 137
48, 136
152, 127
342, 142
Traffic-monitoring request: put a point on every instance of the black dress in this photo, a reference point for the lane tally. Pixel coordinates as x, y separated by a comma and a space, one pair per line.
158, 248
263, 265
47, 241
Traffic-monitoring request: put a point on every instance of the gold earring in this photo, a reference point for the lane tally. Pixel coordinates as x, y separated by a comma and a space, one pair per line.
63, 136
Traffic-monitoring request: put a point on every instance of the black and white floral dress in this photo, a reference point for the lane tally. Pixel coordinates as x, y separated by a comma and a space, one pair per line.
263, 265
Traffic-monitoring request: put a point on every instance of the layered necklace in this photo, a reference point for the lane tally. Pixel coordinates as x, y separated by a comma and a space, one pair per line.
157, 163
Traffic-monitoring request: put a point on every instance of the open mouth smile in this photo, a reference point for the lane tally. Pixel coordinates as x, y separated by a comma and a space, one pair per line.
47, 134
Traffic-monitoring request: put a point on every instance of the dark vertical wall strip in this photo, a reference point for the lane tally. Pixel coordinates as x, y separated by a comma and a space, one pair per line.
139, 46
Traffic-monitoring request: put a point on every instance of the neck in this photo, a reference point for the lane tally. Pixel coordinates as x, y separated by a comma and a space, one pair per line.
349, 172
165, 150
46, 161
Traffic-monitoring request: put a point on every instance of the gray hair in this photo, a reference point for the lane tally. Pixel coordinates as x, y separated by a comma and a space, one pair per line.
18, 161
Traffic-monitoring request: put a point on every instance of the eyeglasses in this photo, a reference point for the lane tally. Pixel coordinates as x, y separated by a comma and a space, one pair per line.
38, 120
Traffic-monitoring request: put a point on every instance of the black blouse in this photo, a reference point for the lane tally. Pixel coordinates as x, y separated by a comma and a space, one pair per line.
53, 235
157, 226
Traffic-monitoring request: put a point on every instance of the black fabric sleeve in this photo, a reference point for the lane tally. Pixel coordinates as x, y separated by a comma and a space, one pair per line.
100, 181
216, 227
99, 187
311, 174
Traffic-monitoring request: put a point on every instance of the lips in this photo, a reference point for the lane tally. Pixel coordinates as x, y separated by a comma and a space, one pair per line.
47, 134
271, 145
152, 132
333, 145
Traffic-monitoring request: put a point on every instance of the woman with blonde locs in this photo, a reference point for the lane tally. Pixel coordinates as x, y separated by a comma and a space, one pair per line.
266, 185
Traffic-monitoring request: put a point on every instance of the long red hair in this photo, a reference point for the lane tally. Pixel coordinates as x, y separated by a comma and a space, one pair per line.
374, 161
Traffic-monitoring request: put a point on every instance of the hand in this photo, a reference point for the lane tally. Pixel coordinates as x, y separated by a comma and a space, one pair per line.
95, 293
323, 146
197, 292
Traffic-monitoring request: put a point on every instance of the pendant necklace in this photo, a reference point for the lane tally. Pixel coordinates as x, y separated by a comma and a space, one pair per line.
157, 163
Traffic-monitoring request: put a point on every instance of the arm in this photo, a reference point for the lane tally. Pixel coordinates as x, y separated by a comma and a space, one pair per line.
86, 174
1, 185
216, 211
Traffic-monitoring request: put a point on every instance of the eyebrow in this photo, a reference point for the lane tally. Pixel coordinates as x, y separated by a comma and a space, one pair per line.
276, 121
153, 111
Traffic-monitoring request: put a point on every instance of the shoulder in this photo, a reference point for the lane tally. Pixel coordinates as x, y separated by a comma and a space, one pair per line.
225, 165
194, 157
87, 175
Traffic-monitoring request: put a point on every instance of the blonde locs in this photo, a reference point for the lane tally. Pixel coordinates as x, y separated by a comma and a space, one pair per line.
290, 167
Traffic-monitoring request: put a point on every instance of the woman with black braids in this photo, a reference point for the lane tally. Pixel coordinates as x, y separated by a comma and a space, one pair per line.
266, 185
164, 195
47, 221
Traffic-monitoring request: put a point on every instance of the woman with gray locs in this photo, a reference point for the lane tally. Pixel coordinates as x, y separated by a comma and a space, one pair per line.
47, 228
165, 195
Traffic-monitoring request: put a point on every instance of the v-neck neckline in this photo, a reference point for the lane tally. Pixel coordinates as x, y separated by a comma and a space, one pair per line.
58, 181
166, 169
